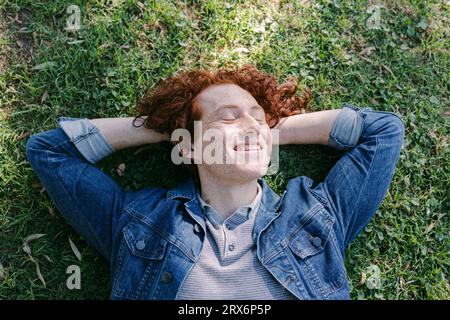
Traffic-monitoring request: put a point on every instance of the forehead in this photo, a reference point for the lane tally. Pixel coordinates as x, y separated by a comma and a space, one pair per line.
215, 96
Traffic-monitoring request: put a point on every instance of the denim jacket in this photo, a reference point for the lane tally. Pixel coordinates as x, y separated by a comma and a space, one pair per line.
153, 237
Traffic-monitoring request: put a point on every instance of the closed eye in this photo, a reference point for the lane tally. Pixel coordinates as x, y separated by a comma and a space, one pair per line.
260, 119
229, 116
229, 119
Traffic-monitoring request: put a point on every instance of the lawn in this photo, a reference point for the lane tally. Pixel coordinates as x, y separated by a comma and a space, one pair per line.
388, 55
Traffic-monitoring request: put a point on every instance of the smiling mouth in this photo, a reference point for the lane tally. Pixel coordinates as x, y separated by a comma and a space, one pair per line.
248, 147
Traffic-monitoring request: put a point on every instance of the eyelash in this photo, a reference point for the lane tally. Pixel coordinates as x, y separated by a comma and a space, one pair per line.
260, 120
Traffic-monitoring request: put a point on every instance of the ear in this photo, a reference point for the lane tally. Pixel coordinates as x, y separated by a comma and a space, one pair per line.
186, 151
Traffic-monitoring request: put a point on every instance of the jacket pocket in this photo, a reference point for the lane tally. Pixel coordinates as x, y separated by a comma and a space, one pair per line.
315, 250
140, 257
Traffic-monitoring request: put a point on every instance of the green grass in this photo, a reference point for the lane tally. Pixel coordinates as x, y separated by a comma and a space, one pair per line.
125, 48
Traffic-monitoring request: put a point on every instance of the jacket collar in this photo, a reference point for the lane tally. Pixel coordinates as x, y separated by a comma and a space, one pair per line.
185, 190
267, 212
188, 190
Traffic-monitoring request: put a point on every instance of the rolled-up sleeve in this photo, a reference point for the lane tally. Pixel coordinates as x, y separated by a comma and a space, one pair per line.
90, 200
347, 128
86, 137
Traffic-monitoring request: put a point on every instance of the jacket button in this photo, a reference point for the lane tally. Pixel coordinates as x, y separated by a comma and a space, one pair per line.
140, 244
166, 277
316, 241
196, 228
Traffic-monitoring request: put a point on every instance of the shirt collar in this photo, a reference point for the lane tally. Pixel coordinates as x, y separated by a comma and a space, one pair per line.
240, 215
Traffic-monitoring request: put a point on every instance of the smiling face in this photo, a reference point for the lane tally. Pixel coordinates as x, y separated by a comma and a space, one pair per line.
245, 137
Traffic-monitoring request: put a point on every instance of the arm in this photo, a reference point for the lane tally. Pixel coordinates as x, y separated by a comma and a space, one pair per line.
307, 128
121, 133
64, 158
356, 185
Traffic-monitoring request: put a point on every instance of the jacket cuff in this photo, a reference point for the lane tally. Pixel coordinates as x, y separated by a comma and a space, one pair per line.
86, 137
347, 128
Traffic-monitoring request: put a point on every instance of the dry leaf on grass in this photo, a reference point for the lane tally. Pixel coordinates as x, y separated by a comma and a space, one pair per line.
38, 271
429, 228
363, 278
27, 249
44, 97
2, 272
31, 237
75, 249
23, 136
34, 236
241, 50
367, 51
121, 169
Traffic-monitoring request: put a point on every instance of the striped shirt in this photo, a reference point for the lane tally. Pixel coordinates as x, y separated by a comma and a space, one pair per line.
228, 267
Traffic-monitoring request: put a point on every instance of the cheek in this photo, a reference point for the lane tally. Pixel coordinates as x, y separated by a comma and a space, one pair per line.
266, 135
225, 136
230, 136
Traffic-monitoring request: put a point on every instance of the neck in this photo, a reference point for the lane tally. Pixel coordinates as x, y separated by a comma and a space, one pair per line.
226, 196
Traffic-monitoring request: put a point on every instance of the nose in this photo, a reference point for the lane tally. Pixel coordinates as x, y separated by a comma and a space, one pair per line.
249, 125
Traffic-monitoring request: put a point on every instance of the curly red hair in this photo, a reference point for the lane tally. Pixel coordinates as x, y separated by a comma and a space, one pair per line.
170, 105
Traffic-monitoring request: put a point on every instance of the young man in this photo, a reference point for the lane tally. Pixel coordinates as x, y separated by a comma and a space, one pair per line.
225, 234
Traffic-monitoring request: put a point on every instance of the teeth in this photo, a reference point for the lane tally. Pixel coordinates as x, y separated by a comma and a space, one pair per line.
248, 147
